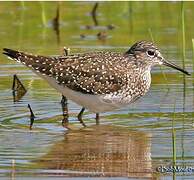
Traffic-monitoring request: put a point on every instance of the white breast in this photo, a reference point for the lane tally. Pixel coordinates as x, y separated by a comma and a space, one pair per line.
94, 103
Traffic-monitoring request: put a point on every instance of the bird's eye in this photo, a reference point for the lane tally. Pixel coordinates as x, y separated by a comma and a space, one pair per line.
151, 53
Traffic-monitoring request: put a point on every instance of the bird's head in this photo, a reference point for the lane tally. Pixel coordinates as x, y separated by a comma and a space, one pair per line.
148, 54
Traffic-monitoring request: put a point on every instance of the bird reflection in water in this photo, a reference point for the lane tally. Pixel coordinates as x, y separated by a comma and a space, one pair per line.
100, 151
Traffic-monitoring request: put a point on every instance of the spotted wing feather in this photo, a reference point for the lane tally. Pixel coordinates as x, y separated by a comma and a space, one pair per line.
89, 73
92, 73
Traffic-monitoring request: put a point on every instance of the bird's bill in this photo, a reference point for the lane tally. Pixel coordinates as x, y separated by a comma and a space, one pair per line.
174, 66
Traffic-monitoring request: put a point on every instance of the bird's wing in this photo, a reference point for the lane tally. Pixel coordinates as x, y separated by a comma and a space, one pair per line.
89, 73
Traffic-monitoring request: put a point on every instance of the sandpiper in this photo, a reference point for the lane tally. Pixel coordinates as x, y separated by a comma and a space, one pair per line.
98, 81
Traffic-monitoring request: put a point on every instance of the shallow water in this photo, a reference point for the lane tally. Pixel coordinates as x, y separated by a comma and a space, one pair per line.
131, 142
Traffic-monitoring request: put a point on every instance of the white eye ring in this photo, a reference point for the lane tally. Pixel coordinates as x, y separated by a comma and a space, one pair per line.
150, 53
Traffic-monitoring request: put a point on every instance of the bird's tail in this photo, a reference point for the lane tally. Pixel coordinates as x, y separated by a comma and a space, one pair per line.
11, 53
40, 64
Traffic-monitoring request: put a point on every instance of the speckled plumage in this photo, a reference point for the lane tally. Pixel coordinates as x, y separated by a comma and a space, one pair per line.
116, 79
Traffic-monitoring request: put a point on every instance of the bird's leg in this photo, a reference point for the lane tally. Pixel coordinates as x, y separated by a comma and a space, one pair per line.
66, 51
97, 119
80, 117
64, 103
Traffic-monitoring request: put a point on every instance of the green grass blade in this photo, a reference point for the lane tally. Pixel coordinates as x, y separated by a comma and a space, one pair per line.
163, 73
183, 33
43, 13
174, 141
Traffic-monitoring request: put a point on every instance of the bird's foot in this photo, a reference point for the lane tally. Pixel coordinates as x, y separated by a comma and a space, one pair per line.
97, 119
80, 117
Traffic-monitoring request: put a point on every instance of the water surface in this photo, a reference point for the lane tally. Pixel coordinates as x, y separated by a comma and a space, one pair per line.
131, 142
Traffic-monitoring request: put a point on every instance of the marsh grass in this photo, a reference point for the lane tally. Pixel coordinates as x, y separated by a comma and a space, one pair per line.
193, 51
163, 73
43, 13
183, 48
193, 57
174, 137
151, 35
193, 64
184, 78
183, 32
22, 4
174, 142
